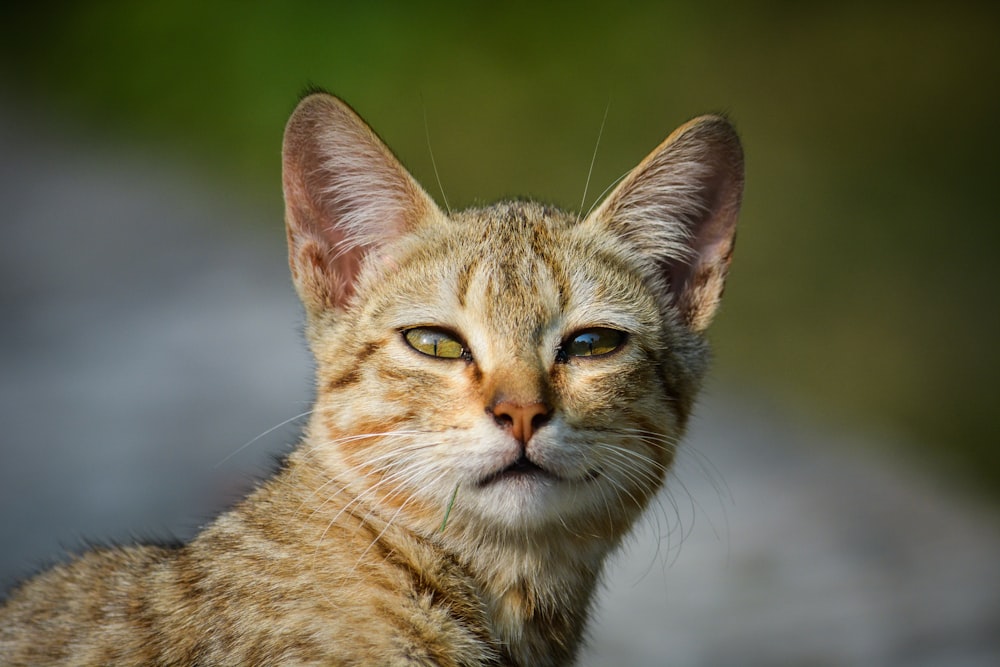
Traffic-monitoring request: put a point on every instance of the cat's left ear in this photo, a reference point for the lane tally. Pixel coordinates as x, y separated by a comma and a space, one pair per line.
678, 209
346, 197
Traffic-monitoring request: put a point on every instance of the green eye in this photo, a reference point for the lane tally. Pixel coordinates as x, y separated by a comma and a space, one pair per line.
593, 342
435, 343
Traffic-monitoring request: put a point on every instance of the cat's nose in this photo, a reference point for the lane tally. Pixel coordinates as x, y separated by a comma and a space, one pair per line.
523, 420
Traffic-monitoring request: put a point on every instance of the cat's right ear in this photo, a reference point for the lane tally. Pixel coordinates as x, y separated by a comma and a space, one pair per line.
346, 196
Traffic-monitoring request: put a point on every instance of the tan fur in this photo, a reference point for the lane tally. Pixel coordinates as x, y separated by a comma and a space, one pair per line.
344, 557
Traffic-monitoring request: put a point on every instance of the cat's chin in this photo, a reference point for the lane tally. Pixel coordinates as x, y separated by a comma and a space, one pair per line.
525, 494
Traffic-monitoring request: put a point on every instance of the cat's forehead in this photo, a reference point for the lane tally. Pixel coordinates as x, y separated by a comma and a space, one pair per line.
514, 259
512, 232
515, 268
494, 265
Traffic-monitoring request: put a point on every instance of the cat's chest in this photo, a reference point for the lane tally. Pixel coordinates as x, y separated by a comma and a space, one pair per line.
539, 619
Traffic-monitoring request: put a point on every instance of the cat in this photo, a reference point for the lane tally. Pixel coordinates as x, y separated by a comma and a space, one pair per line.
499, 394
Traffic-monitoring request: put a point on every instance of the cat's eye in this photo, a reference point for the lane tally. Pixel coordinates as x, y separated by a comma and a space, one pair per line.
436, 342
591, 343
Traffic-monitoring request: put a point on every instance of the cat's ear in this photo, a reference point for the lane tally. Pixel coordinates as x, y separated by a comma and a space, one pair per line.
678, 209
346, 196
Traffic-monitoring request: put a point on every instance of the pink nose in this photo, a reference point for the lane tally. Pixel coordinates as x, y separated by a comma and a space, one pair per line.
523, 420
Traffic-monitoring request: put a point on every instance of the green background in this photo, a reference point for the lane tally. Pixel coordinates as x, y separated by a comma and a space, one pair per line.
863, 287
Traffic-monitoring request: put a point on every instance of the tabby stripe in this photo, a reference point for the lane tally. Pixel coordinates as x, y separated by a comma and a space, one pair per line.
353, 374
465, 280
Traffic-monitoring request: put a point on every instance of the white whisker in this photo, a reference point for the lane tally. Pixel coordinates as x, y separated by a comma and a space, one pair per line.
265, 433
437, 176
605, 191
593, 159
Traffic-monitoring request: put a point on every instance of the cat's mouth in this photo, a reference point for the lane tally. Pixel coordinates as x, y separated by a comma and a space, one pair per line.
523, 468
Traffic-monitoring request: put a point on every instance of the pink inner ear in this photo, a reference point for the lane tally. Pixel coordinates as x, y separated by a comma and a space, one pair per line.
324, 263
697, 285
713, 233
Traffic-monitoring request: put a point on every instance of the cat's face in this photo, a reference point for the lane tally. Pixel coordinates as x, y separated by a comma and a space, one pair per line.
510, 366
514, 306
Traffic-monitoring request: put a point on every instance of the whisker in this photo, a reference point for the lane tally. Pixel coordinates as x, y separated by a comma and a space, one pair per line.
356, 501
721, 488
265, 433
605, 191
355, 468
355, 437
640, 469
593, 159
437, 176
382, 532
711, 473
373, 489
639, 476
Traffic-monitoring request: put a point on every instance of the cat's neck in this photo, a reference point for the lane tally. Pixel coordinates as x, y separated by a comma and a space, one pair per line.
535, 588
538, 591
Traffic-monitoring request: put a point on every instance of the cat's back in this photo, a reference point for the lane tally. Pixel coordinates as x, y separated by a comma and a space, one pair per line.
256, 588
104, 589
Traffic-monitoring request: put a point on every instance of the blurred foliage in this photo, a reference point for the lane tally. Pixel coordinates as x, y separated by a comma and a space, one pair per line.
864, 281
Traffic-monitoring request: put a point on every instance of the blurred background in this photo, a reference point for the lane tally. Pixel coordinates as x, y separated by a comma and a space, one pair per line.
847, 455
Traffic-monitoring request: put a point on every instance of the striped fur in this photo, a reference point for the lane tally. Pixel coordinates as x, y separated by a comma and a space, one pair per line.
345, 557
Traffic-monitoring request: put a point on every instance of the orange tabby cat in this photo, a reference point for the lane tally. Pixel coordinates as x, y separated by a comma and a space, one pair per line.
499, 394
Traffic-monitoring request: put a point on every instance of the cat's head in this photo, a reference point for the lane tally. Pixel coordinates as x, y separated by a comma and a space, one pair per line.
542, 366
